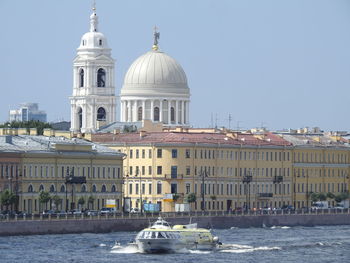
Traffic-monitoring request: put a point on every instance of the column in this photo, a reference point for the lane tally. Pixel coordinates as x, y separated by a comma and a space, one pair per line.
122, 112
182, 112
169, 111
129, 111
187, 112
143, 109
161, 110
135, 111
152, 110
177, 112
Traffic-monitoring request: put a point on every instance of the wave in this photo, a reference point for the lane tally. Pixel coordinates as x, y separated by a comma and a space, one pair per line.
280, 227
235, 248
128, 249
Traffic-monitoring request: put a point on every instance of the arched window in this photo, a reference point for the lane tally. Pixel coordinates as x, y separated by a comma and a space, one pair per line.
94, 189
100, 42
52, 188
41, 188
103, 189
81, 78
83, 188
80, 118
156, 114
172, 114
30, 189
113, 189
63, 189
101, 78
139, 114
101, 114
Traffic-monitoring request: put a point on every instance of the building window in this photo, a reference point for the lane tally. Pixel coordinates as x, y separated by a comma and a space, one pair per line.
188, 188
41, 188
130, 154
137, 154
159, 188
101, 114
172, 114
156, 114
130, 170
188, 170
81, 78
52, 188
94, 189
101, 78
149, 153
173, 188
159, 170
139, 114
63, 189
83, 188
143, 154
150, 189
30, 189
113, 189
159, 153
174, 153
100, 42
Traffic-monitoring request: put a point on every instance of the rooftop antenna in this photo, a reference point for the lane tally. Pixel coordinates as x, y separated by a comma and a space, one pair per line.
216, 120
238, 122
229, 120
211, 120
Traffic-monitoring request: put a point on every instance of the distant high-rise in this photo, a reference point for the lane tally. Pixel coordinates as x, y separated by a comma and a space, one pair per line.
28, 112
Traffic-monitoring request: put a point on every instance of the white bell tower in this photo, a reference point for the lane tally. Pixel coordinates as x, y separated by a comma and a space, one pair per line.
93, 103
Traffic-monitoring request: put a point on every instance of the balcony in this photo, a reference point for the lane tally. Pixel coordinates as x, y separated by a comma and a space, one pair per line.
264, 195
278, 179
174, 176
170, 197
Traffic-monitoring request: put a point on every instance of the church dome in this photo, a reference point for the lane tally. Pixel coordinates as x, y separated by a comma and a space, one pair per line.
157, 73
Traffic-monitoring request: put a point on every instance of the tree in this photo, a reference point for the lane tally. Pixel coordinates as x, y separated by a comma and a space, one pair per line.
330, 195
314, 197
7, 198
81, 201
44, 198
57, 201
341, 197
91, 200
191, 198
176, 197
213, 197
40, 126
322, 197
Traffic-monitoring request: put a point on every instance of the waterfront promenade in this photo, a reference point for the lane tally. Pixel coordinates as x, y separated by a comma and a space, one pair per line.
134, 222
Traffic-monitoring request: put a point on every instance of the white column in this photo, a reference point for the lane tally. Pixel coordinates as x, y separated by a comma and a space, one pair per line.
182, 112
161, 110
177, 112
129, 111
169, 111
143, 109
135, 111
187, 112
121, 110
152, 110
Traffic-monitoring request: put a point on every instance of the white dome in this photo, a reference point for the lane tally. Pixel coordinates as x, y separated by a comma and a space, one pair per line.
157, 73
93, 40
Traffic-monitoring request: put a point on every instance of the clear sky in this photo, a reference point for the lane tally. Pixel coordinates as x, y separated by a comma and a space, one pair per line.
280, 64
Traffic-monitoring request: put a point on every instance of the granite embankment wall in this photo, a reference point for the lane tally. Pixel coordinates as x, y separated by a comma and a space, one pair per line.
62, 226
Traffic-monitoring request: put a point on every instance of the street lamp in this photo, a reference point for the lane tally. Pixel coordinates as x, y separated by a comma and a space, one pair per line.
203, 175
247, 179
276, 180
138, 173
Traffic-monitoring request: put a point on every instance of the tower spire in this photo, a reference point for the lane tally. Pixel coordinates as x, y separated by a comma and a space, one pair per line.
93, 18
156, 35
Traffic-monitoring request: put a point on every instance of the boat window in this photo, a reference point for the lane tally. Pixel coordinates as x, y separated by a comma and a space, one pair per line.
161, 235
147, 235
154, 234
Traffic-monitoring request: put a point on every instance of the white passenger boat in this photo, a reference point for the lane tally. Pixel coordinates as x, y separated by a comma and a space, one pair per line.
162, 238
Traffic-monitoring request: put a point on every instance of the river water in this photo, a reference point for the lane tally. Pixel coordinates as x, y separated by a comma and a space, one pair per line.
272, 244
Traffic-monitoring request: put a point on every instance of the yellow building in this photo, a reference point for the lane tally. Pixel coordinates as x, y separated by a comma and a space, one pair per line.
236, 169
70, 169
320, 165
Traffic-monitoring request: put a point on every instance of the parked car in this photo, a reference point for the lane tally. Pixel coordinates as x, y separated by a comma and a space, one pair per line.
107, 210
75, 212
134, 210
91, 212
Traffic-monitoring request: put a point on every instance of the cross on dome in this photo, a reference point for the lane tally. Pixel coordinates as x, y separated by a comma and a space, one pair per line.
156, 36
93, 19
